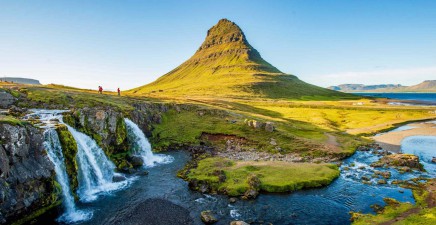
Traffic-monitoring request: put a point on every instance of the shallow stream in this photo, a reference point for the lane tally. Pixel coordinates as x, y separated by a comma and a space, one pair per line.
328, 205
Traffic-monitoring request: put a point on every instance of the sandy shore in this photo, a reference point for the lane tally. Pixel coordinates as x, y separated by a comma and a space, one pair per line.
391, 141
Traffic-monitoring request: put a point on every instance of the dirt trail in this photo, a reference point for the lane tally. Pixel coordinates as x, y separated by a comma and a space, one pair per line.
332, 143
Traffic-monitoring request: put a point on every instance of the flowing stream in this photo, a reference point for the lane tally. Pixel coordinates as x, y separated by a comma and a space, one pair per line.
326, 205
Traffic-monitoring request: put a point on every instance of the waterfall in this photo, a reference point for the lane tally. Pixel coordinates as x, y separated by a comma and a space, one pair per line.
141, 147
96, 171
48, 119
54, 152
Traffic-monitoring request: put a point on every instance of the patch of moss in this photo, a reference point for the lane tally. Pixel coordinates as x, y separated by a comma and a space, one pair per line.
272, 176
121, 131
11, 120
69, 148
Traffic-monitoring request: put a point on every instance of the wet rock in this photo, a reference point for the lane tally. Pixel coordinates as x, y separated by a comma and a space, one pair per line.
365, 178
381, 181
144, 173
118, 178
238, 223
207, 217
399, 160
233, 200
397, 182
250, 194
136, 161
404, 169
385, 174
433, 160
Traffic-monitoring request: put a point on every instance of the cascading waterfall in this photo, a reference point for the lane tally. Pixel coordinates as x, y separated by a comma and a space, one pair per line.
141, 147
96, 171
54, 152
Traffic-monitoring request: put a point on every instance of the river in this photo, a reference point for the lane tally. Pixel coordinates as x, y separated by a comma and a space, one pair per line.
328, 205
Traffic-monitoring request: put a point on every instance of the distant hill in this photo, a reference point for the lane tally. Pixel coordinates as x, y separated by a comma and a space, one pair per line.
362, 87
20, 80
227, 65
426, 86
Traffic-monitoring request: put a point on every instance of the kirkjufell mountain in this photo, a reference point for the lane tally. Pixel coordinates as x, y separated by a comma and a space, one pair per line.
227, 65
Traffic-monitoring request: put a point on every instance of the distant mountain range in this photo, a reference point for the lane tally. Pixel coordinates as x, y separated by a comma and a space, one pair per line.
20, 80
426, 86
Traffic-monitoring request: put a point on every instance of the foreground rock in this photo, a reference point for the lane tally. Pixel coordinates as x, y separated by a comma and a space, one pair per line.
26, 173
152, 212
403, 162
238, 223
207, 217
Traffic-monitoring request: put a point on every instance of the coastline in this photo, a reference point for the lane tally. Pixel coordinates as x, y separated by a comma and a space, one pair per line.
391, 141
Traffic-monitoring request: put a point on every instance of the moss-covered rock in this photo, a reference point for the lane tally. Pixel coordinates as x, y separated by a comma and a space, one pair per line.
106, 126
403, 162
247, 178
69, 148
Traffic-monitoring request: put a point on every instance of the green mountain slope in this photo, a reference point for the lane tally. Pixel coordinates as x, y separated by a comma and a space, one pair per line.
227, 65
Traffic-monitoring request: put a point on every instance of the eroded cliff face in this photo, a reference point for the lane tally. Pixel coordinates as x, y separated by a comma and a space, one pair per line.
27, 181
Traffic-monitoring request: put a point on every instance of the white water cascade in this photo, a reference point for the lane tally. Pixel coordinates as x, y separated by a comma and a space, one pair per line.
141, 147
96, 171
54, 152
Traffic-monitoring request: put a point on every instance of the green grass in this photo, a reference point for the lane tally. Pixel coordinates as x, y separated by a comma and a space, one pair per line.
11, 120
403, 213
187, 126
273, 176
58, 96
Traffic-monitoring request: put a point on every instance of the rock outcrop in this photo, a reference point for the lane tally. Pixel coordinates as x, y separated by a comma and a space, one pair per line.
27, 179
6, 99
105, 125
404, 162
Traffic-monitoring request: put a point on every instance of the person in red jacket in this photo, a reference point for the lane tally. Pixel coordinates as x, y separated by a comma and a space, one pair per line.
119, 92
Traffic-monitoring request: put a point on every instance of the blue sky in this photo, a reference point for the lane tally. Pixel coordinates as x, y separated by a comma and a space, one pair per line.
130, 43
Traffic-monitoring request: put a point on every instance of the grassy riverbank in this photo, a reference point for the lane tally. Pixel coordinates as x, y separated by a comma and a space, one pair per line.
423, 212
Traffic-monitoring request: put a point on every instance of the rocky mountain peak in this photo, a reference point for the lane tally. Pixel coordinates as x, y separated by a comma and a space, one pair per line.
224, 32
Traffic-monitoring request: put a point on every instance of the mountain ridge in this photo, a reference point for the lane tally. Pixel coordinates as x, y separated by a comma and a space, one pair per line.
425, 86
20, 80
226, 64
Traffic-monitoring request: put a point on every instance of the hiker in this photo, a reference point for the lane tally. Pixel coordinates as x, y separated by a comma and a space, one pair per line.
100, 89
119, 92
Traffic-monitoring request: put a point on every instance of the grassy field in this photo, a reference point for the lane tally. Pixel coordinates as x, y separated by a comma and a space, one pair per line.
273, 176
